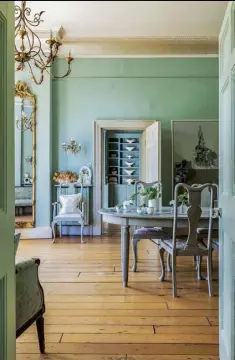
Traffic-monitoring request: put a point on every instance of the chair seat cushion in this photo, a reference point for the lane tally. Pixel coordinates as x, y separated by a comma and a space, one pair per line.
151, 231
204, 232
180, 245
70, 217
23, 202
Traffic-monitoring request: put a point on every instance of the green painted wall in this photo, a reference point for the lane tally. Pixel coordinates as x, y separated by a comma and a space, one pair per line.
164, 89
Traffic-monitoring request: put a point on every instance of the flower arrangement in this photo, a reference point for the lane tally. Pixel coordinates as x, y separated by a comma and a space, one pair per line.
65, 177
182, 199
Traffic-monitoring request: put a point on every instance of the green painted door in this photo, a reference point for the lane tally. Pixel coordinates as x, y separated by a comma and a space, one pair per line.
7, 257
227, 184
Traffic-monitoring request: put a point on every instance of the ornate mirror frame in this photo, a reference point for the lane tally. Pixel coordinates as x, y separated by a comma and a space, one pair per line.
23, 92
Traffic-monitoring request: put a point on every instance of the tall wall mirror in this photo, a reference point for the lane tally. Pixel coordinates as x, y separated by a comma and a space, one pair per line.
25, 156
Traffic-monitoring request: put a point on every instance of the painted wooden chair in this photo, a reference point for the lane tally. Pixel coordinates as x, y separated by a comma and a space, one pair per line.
70, 208
151, 233
192, 246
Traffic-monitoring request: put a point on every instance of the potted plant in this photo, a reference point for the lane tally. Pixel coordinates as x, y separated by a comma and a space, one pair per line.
153, 195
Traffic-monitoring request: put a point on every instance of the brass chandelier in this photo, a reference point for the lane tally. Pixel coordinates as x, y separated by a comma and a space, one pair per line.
28, 50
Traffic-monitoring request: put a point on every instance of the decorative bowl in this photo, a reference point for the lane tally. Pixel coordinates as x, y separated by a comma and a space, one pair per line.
130, 181
130, 141
129, 172
129, 164
130, 148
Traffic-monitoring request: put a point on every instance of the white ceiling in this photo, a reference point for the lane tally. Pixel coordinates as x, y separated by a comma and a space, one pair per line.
95, 19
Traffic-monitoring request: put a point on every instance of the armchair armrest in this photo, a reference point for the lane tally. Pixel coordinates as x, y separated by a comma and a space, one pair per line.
30, 303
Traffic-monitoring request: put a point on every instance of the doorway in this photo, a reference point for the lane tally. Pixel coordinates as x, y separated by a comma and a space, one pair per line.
150, 135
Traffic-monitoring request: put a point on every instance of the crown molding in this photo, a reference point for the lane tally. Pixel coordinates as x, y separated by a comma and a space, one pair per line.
175, 46
136, 47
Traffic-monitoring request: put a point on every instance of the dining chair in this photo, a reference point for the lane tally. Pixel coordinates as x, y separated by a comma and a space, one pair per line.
153, 234
192, 246
70, 208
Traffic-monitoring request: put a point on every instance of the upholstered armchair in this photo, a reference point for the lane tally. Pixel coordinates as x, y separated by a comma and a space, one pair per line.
30, 305
70, 208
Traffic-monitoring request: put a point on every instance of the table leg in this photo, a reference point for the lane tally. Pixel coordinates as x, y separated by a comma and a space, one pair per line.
125, 245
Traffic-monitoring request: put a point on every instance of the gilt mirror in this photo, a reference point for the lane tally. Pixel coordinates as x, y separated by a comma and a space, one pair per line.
25, 156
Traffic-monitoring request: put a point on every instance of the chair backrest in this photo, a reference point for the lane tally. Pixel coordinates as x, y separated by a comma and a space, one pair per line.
140, 186
194, 212
205, 198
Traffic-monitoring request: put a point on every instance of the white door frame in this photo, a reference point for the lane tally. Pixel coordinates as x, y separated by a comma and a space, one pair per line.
99, 125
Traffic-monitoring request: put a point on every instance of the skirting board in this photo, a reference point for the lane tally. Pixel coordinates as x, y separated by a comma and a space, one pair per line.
43, 232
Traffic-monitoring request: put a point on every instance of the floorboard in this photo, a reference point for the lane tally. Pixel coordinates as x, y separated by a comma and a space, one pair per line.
90, 316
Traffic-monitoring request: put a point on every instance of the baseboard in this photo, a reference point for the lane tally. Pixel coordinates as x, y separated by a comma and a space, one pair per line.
42, 232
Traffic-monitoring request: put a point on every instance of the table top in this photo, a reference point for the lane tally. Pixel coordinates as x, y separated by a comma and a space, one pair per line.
166, 212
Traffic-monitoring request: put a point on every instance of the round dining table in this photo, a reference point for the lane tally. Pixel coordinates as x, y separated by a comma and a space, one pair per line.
161, 218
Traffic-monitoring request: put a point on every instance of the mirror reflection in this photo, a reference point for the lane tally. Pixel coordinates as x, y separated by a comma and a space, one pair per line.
24, 156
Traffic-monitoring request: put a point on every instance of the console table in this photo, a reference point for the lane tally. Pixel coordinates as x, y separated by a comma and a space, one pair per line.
87, 199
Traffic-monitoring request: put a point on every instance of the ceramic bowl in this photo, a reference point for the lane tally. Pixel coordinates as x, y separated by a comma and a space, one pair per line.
129, 172
130, 148
130, 156
140, 210
130, 141
129, 181
129, 164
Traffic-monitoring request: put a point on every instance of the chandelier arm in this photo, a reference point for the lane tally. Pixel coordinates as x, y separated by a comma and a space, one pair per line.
38, 82
39, 64
62, 77
37, 17
18, 12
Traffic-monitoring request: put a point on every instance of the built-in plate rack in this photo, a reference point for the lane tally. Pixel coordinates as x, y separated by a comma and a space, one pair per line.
122, 163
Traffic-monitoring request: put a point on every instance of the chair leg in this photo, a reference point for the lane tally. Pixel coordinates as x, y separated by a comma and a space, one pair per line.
53, 224
135, 253
161, 253
82, 229
199, 268
169, 268
174, 275
40, 331
209, 273
60, 229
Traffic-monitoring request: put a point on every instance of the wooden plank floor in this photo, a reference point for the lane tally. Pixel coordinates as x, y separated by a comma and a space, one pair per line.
90, 316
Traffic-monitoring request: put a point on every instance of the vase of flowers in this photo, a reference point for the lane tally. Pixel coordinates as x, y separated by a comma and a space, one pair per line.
183, 201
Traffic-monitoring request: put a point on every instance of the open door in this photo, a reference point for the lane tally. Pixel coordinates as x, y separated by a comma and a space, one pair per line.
151, 153
227, 184
7, 255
